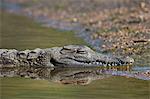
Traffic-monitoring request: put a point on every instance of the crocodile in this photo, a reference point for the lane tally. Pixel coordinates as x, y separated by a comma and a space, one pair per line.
66, 56
72, 64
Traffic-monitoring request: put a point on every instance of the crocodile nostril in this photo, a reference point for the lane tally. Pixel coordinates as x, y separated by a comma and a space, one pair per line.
131, 63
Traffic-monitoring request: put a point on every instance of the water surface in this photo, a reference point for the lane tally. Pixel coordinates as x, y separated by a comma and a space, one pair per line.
74, 83
21, 33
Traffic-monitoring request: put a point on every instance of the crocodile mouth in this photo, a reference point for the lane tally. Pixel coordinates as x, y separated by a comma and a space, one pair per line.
103, 63
75, 62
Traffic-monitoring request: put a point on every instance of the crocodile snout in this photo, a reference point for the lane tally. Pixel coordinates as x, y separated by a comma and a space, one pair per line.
127, 60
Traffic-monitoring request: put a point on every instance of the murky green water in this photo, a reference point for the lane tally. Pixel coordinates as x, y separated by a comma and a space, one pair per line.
75, 83
109, 88
19, 32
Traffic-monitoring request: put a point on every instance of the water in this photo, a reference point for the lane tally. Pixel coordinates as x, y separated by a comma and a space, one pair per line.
110, 88
80, 30
89, 86
73, 83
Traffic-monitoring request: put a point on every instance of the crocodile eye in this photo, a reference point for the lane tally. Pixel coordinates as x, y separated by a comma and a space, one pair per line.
65, 51
81, 52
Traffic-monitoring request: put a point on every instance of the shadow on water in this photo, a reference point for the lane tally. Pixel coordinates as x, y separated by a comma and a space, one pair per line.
79, 75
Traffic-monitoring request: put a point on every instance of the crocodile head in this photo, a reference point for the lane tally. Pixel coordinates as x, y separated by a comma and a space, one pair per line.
74, 55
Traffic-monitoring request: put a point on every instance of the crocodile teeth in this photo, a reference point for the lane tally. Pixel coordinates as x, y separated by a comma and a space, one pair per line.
109, 64
97, 63
113, 64
100, 63
103, 63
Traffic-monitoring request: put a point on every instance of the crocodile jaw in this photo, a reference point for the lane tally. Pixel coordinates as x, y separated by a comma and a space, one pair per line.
74, 62
84, 56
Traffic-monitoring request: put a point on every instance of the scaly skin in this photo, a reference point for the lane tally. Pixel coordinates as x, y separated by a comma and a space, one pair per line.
67, 56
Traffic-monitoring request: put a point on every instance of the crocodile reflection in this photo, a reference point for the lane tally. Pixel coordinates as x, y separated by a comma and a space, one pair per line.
79, 76
82, 76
